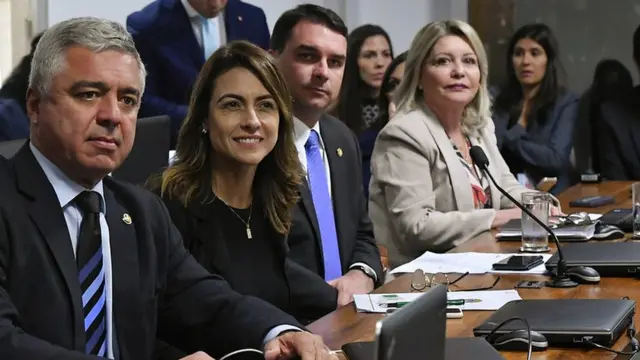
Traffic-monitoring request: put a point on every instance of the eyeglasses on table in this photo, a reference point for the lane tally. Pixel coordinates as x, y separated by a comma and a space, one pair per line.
421, 281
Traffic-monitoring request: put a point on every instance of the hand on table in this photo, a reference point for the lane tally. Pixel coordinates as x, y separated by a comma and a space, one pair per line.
293, 344
198, 356
352, 283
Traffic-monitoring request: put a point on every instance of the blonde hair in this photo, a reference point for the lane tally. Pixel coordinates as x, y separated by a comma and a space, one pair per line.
408, 96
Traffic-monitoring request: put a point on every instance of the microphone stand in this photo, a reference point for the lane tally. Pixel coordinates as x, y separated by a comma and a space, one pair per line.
559, 279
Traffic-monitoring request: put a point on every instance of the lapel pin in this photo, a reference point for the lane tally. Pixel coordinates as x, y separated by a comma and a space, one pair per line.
239, 18
339, 151
126, 219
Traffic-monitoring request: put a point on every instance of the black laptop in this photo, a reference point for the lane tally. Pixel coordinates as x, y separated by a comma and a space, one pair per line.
609, 259
419, 329
565, 322
622, 218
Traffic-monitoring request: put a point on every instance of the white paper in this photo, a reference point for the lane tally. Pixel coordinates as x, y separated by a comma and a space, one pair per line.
489, 300
472, 262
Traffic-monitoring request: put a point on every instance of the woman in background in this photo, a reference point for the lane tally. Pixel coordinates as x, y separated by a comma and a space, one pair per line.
534, 113
369, 53
426, 193
235, 180
387, 109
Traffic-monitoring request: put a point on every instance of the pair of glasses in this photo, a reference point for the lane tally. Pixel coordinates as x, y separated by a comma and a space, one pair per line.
579, 218
421, 281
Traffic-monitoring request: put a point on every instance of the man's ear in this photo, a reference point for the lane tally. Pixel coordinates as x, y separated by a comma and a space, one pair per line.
33, 105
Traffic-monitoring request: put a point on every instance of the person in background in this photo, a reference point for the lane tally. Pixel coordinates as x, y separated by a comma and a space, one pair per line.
392, 77
612, 86
331, 234
369, 53
92, 267
176, 37
237, 178
16, 85
534, 113
426, 193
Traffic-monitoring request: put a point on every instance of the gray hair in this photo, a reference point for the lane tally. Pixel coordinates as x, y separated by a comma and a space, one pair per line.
408, 95
95, 34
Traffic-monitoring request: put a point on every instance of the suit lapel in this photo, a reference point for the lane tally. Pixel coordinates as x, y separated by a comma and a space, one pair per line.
46, 213
339, 192
459, 179
124, 266
210, 236
185, 40
232, 21
309, 209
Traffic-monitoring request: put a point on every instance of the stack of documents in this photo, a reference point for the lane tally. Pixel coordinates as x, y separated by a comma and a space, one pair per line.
472, 262
465, 300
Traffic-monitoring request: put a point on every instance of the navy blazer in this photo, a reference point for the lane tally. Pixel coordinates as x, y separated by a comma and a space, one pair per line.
543, 150
367, 140
14, 123
170, 51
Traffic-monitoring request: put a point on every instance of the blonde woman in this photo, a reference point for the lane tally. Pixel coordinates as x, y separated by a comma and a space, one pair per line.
425, 193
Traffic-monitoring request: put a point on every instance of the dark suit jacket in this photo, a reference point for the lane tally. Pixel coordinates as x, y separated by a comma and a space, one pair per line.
203, 237
619, 141
164, 38
14, 123
159, 289
541, 150
354, 229
367, 140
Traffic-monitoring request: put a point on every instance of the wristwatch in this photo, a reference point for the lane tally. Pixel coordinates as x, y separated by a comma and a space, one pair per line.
367, 271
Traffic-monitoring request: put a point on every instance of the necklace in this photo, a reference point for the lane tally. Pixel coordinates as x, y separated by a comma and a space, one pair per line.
247, 223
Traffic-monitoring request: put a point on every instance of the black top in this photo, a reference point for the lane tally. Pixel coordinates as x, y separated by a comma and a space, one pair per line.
258, 256
370, 111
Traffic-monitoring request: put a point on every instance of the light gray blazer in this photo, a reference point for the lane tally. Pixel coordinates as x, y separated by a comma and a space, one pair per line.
420, 196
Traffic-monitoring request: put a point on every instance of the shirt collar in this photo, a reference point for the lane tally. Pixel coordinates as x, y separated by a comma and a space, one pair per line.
193, 13
302, 132
65, 188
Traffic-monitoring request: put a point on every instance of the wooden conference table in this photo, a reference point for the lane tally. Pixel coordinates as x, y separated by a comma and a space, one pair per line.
345, 325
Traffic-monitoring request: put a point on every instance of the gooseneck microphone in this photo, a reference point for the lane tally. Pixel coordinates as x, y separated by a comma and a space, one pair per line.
559, 279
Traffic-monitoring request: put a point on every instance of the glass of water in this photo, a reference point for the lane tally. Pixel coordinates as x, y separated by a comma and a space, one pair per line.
534, 237
635, 196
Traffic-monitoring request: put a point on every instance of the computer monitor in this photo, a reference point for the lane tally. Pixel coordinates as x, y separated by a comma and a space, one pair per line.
150, 153
417, 328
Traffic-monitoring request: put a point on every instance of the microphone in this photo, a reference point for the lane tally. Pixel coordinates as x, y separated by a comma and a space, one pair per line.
559, 279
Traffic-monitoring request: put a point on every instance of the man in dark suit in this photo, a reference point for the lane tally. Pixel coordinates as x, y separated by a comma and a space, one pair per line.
331, 232
91, 267
176, 37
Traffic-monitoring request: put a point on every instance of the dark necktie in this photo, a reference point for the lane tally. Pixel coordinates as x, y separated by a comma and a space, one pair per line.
319, 187
91, 273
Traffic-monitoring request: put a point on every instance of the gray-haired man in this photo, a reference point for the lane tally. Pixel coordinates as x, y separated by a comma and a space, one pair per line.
90, 267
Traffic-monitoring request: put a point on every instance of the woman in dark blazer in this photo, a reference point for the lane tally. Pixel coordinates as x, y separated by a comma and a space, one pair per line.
534, 113
235, 180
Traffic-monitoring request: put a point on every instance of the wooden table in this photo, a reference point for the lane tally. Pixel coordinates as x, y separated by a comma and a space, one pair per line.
345, 325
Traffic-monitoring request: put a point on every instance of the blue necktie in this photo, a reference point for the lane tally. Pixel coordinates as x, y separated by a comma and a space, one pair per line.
323, 206
210, 36
91, 274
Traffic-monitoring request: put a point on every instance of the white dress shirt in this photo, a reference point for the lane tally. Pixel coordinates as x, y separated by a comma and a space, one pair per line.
302, 132
196, 23
66, 191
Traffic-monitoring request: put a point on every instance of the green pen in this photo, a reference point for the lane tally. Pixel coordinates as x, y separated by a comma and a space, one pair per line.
462, 302
396, 305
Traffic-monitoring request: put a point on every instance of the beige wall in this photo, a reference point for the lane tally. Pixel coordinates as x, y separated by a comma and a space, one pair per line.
15, 33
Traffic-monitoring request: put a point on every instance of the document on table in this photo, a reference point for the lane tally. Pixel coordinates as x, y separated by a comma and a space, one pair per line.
474, 300
472, 262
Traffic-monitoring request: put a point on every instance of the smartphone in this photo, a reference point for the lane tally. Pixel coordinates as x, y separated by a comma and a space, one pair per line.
518, 263
454, 313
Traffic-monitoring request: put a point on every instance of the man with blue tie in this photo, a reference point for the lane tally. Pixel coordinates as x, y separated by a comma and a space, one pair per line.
91, 267
175, 37
331, 232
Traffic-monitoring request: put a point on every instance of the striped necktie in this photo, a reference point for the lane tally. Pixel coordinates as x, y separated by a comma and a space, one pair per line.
91, 274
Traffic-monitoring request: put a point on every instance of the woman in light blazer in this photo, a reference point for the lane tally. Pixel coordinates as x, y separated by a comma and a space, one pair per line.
425, 193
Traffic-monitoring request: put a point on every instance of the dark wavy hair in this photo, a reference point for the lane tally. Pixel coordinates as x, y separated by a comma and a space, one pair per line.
354, 89
510, 97
278, 175
388, 85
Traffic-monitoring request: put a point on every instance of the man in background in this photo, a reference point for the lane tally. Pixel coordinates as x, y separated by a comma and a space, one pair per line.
175, 38
331, 233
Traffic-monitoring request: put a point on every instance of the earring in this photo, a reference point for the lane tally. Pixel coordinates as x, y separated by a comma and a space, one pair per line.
204, 131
